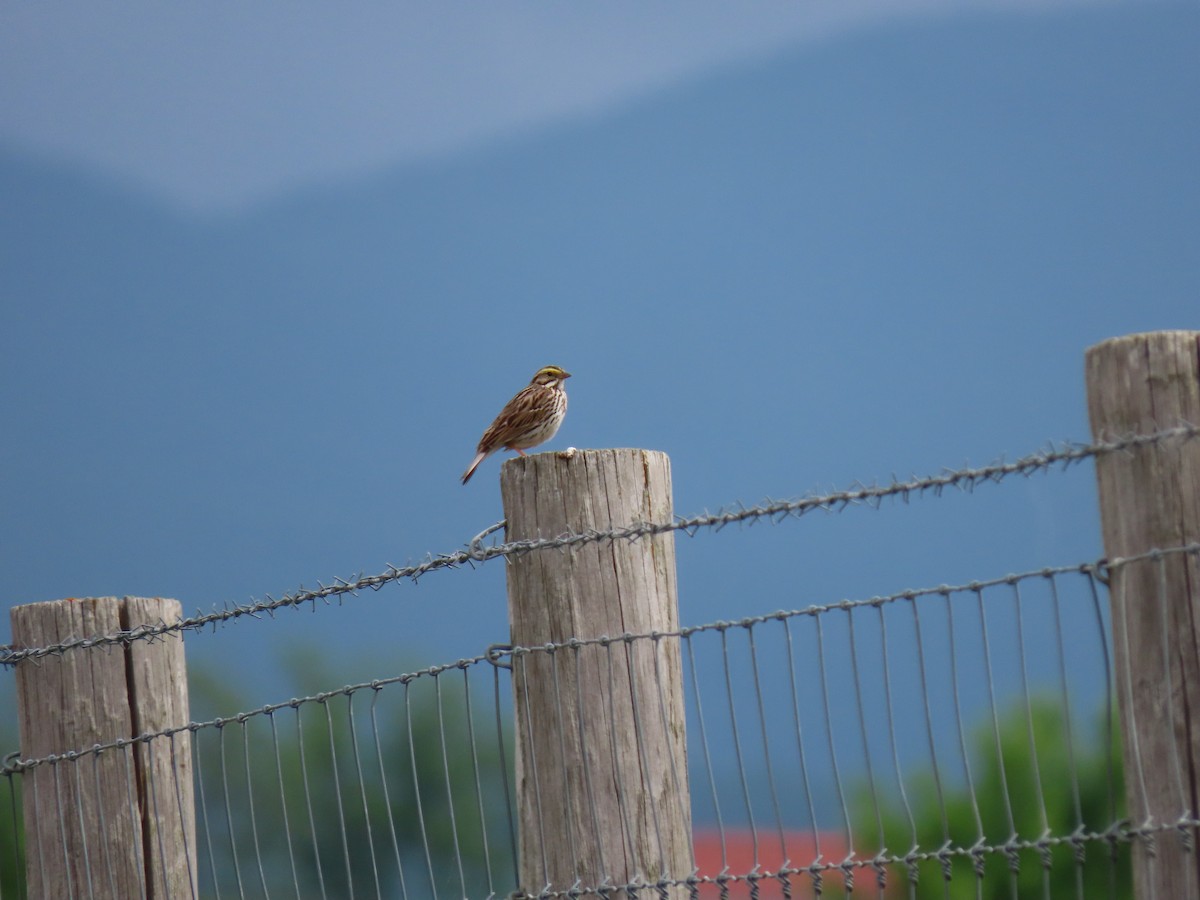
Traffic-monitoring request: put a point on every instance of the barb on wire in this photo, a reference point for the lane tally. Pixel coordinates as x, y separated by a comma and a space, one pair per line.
965, 479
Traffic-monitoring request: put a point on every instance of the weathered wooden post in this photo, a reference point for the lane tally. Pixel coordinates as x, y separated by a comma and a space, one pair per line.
119, 823
601, 756
1150, 499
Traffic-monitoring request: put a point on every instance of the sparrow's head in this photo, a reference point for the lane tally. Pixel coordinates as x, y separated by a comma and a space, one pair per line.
551, 376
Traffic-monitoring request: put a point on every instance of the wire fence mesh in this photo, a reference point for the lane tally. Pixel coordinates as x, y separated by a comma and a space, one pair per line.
957, 740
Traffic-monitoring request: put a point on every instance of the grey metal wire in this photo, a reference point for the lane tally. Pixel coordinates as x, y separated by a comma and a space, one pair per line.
283, 808
1039, 845
963, 479
1068, 717
337, 795
795, 710
848, 700
893, 744
735, 733
773, 791
160, 821
880, 872
1030, 733
204, 823
469, 715
387, 797
1002, 768
304, 780
965, 757
1109, 742
708, 766
362, 793
1102, 567
504, 771
258, 855
1028, 703
462, 878
108, 861
835, 769
412, 750
943, 856
1132, 712
1163, 616
1068, 714
130, 791
237, 867
677, 782
643, 763
851, 696
928, 720
180, 812
61, 818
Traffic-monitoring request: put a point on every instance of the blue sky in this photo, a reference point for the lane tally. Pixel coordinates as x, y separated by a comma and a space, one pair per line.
269, 273
216, 107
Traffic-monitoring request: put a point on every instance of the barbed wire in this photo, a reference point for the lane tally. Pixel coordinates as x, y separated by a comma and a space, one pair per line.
965, 479
1100, 569
1118, 833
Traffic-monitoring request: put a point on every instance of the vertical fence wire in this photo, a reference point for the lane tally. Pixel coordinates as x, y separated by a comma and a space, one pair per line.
806, 783
677, 782
390, 812
872, 790
229, 811
509, 811
416, 785
362, 794
308, 802
284, 815
640, 747
478, 785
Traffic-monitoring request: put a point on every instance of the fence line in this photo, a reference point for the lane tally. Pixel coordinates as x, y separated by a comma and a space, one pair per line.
964, 479
833, 742
1117, 834
1100, 569
374, 766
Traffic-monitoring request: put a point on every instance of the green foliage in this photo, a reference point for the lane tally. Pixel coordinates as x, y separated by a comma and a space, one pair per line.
1023, 793
12, 857
323, 798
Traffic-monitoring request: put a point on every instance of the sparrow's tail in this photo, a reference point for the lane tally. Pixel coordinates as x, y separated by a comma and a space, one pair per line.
479, 457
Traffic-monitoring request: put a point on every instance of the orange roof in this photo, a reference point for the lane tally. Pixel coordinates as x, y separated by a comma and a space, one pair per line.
737, 850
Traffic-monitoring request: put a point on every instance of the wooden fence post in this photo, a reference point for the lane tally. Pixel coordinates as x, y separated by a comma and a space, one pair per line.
118, 823
1150, 499
601, 750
